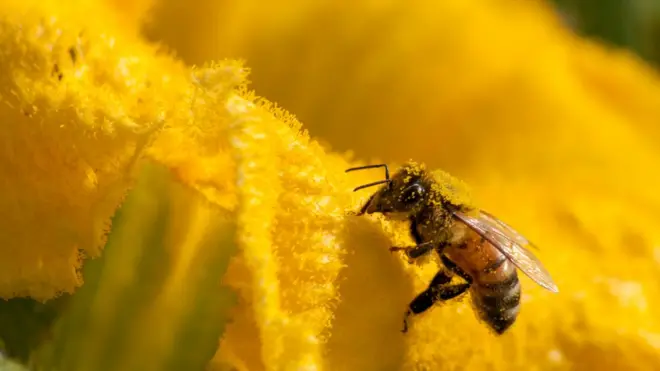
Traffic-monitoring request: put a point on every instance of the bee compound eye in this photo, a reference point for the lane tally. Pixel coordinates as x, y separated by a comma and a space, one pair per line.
412, 194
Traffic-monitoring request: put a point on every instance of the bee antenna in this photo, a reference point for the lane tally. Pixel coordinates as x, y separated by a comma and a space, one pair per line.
387, 171
372, 184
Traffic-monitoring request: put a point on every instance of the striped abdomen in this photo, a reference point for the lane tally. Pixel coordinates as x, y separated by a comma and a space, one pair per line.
495, 289
498, 302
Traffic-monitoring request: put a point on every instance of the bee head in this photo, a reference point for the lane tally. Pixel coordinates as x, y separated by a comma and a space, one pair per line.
399, 196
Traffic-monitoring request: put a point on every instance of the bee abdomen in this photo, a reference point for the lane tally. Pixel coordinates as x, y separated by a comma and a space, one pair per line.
498, 304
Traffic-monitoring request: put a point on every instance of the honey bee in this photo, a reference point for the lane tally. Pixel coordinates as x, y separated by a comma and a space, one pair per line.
472, 243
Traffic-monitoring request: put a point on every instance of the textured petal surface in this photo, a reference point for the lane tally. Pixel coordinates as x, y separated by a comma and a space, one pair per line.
77, 111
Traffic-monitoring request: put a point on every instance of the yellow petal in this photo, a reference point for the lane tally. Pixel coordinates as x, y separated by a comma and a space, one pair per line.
84, 102
291, 219
79, 106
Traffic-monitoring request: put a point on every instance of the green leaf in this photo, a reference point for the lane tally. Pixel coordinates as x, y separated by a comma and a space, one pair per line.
154, 301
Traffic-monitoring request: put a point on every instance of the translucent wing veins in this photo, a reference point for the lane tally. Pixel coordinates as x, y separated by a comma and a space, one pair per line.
511, 243
518, 238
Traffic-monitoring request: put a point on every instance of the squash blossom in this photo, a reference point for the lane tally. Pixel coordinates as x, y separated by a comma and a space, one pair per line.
228, 191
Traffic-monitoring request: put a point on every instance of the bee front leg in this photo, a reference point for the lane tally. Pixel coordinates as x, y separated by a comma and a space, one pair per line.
422, 248
414, 252
364, 207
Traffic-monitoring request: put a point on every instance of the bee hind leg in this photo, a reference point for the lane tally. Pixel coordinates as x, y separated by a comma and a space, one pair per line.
438, 290
454, 268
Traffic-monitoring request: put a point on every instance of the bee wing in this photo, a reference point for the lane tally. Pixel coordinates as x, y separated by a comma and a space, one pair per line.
511, 243
511, 233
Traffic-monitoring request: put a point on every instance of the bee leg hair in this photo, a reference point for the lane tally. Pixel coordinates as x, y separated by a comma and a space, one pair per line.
364, 207
414, 252
454, 268
422, 248
437, 290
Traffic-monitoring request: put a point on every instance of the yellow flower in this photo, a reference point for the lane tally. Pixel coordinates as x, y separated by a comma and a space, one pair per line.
494, 91
77, 113
205, 132
555, 134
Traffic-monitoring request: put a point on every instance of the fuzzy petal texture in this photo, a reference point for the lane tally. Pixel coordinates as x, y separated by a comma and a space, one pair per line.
77, 111
82, 103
